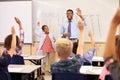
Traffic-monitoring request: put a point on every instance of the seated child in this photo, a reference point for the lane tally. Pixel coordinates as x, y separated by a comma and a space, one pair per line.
64, 50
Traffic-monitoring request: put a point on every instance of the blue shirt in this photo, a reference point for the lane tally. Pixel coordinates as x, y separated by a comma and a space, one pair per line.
74, 28
87, 56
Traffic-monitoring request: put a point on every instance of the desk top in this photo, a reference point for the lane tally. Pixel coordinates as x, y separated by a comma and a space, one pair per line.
33, 57
91, 70
22, 68
96, 58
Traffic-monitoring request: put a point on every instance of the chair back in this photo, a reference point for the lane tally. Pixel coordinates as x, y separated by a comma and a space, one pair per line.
108, 77
67, 76
17, 59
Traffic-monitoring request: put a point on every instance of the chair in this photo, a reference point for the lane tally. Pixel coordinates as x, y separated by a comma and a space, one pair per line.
86, 64
108, 77
68, 76
95, 63
16, 59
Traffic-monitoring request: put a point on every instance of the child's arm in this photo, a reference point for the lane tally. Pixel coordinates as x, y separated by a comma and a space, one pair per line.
110, 42
90, 53
90, 34
13, 43
80, 48
21, 31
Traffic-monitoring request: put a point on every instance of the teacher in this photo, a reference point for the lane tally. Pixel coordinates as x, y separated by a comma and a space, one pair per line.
69, 29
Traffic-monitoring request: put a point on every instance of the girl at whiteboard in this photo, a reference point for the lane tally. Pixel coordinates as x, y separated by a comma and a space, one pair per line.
20, 41
46, 46
5, 56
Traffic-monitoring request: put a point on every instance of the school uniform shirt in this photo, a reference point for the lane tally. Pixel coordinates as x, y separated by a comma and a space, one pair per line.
42, 41
4, 62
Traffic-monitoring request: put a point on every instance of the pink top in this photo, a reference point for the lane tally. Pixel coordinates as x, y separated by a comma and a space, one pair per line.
104, 73
47, 45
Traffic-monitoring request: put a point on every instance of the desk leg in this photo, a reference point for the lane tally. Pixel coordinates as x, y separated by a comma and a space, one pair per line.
40, 62
37, 62
31, 76
39, 71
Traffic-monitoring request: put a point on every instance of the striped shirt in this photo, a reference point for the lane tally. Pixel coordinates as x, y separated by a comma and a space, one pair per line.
19, 49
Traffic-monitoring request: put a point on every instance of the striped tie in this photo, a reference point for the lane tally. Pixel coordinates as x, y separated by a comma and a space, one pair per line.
69, 29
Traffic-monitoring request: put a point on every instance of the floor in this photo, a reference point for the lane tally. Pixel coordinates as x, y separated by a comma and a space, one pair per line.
47, 76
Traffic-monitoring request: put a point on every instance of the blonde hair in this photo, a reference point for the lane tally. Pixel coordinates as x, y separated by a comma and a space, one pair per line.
64, 47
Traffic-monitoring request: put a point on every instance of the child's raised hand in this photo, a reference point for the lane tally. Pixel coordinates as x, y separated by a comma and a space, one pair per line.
13, 30
18, 22
90, 34
79, 12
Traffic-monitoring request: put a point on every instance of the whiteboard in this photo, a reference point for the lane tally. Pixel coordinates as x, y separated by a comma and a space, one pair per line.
97, 13
20, 9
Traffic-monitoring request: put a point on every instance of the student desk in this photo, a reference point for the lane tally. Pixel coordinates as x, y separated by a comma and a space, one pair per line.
24, 70
91, 72
97, 61
35, 59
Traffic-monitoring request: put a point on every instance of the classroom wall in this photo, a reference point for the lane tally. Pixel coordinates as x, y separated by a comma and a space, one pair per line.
30, 49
